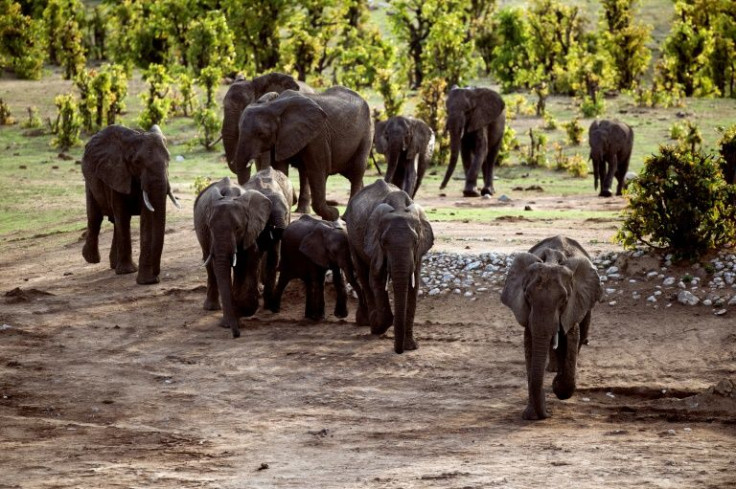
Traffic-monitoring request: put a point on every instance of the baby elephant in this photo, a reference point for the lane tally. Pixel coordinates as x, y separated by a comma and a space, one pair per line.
310, 247
551, 291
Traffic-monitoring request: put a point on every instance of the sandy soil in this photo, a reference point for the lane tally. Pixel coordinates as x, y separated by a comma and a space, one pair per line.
104, 383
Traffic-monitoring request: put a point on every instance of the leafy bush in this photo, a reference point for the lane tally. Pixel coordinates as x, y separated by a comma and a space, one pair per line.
550, 123
210, 43
677, 131
680, 203
575, 165
574, 132
68, 123
5, 118
431, 109
21, 42
208, 123
157, 104
34, 121
508, 143
537, 156
592, 108
200, 183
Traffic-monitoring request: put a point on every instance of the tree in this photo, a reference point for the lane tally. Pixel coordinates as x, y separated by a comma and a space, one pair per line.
157, 104
56, 17
210, 43
626, 42
21, 45
411, 21
448, 51
511, 54
72, 53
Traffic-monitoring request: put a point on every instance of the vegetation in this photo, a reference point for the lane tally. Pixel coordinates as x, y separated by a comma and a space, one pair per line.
68, 124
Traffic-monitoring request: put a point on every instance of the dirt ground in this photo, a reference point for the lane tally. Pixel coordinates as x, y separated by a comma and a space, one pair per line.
104, 383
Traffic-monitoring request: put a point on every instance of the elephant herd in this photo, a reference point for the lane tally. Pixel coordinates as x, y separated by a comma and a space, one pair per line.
251, 248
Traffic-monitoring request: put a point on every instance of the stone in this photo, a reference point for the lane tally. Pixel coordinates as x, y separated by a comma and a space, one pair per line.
687, 298
669, 281
434, 291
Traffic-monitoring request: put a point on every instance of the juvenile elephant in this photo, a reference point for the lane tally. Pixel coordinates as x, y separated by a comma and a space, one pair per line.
476, 119
309, 248
228, 220
126, 174
323, 134
611, 143
728, 151
388, 235
278, 189
551, 291
408, 144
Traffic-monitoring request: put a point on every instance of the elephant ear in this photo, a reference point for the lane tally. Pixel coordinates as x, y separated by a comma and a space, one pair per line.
257, 211
302, 120
586, 291
426, 235
372, 238
105, 158
486, 106
512, 295
273, 82
313, 245
379, 138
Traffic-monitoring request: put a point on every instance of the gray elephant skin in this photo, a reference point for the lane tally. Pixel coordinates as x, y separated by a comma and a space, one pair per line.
408, 144
126, 174
228, 220
476, 119
728, 151
388, 235
324, 134
551, 291
310, 247
611, 143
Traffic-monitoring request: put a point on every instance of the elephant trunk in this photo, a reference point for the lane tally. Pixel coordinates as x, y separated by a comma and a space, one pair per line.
222, 264
242, 161
402, 272
392, 161
230, 134
541, 339
153, 227
563, 384
456, 136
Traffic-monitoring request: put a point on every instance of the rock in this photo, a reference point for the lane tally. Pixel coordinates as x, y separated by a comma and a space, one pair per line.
732, 302
504, 198
179, 158
687, 298
669, 281
651, 298
707, 302
724, 388
720, 312
434, 291
612, 271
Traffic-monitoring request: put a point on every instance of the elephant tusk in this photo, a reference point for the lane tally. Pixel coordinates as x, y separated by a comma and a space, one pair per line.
556, 340
413, 282
388, 277
235, 259
147, 202
206, 262
173, 199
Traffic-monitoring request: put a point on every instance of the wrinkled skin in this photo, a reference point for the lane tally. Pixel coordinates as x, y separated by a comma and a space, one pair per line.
408, 144
728, 151
323, 133
388, 235
244, 93
228, 220
119, 165
611, 143
278, 189
309, 248
551, 291
476, 118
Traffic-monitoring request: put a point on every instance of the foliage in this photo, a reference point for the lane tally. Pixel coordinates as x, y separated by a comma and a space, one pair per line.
210, 43
72, 52
97, 32
33, 121
575, 165
550, 124
101, 93
21, 42
6, 119
626, 42
67, 124
448, 51
574, 131
61, 20
537, 155
363, 59
517, 105
590, 70
510, 55
691, 139
679, 203
157, 104
655, 97
100, 88
393, 98
137, 37
206, 117
508, 143
184, 103
592, 108
200, 183
431, 109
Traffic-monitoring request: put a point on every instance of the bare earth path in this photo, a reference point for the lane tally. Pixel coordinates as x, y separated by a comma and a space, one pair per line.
107, 384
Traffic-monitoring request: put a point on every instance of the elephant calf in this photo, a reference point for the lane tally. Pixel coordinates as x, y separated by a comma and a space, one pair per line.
551, 291
611, 143
310, 247
228, 220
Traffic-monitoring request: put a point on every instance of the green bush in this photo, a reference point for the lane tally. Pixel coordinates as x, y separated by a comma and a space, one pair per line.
157, 104
68, 123
550, 123
5, 118
22, 46
208, 124
537, 155
574, 132
592, 108
431, 109
200, 183
508, 143
680, 204
34, 121
393, 97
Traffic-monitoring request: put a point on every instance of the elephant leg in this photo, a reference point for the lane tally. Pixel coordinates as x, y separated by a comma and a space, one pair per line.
341, 300
124, 259
606, 187
309, 305
246, 275
488, 167
380, 313
410, 175
421, 168
563, 384
319, 296
584, 329
305, 195
113, 255
410, 343
529, 411
91, 251
284, 279
212, 300
479, 156
315, 165
365, 299
269, 275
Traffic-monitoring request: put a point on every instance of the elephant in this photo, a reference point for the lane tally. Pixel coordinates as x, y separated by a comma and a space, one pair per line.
611, 143
126, 174
277, 187
388, 235
476, 119
408, 144
228, 221
728, 151
310, 247
551, 291
323, 134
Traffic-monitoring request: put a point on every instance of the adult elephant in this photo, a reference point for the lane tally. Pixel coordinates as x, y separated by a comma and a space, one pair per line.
228, 220
126, 174
476, 119
408, 144
728, 151
611, 143
551, 291
244, 93
323, 133
388, 235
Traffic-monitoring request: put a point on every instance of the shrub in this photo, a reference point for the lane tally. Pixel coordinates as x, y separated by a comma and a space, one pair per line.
393, 97
33, 121
5, 118
592, 108
68, 123
677, 131
574, 165
574, 132
508, 144
157, 104
200, 183
431, 109
550, 123
537, 156
185, 102
681, 204
21, 41
208, 123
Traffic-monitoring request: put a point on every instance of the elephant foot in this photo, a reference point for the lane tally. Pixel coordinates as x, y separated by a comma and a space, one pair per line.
124, 268
361, 317
211, 305
563, 390
487, 191
605, 193
341, 311
315, 317
410, 344
530, 414
146, 279
302, 208
232, 325
91, 253
329, 213
380, 325
471, 193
